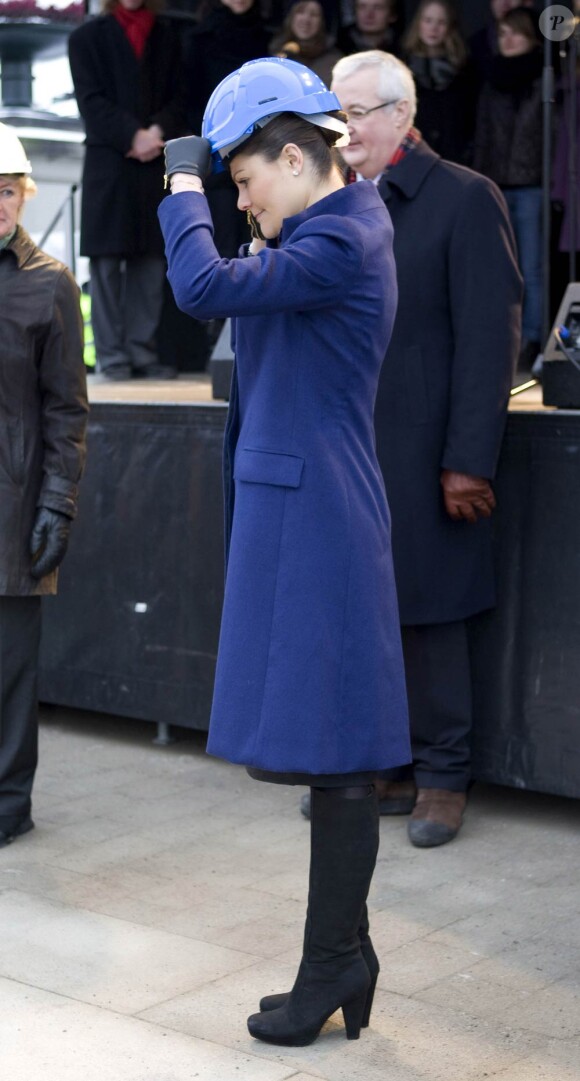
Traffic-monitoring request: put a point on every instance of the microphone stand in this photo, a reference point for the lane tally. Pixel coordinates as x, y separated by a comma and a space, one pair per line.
547, 103
572, 161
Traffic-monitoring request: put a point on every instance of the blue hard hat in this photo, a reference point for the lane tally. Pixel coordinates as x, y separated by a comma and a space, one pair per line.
260, 90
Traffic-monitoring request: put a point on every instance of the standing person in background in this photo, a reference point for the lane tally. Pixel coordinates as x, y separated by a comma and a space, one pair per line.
483, 45
43, 411
229, 33
508, 149
439, 418
304, 38
126, 67
375, 27
436, 53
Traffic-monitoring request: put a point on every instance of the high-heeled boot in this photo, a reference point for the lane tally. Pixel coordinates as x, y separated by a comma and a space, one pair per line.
273, 1002
333, 974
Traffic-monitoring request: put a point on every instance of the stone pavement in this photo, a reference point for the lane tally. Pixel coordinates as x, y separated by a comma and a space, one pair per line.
162, 893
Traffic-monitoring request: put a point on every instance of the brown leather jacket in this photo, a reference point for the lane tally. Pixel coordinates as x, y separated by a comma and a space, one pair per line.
43, 403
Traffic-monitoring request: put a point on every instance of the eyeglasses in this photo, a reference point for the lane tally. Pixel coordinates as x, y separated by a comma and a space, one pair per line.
359, 114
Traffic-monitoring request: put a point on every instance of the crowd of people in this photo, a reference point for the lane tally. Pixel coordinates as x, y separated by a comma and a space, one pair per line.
143, 75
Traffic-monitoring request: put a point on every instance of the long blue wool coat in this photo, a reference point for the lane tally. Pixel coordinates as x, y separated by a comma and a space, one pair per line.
310, 674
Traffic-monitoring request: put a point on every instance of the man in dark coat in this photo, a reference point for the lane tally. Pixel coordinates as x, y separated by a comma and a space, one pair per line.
439, 418
43, 407
126, 70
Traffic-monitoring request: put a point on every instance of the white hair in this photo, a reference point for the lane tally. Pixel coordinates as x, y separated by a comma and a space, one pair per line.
394, 79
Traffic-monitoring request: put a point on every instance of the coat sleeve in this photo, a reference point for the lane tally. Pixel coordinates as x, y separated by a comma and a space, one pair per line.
311, 272
105, 122
485, 293
64, 400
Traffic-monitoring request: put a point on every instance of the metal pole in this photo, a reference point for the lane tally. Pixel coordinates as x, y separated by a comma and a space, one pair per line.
57, 217
71, 230
572, 161
547, 102
163, 737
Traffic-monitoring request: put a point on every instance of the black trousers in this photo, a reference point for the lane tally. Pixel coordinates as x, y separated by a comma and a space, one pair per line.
438, 676
19, 644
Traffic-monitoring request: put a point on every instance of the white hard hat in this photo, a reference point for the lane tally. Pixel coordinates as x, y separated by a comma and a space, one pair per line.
12, 156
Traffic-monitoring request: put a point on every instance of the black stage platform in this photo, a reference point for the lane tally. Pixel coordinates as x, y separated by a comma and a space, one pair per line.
134, 628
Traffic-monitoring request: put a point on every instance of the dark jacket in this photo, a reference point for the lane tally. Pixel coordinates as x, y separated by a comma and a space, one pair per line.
446, 378
309, 675
117, 94
482, 49
446, 103
43, 403
508, 136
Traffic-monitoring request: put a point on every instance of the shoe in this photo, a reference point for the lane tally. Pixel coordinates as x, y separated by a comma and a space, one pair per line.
396, 797
156, 371
8, 836
333, 974
437, 817
115, 373
273, 1002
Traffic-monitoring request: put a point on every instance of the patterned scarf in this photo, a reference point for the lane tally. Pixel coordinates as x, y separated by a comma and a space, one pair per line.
411, 140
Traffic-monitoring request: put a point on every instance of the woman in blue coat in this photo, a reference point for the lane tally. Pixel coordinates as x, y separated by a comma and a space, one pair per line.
309, 683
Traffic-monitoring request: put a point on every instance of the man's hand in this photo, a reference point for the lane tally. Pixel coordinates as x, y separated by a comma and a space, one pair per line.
147, 144
466, 497
49, 541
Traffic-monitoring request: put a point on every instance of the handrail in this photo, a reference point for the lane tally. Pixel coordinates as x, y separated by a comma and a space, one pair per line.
70, 202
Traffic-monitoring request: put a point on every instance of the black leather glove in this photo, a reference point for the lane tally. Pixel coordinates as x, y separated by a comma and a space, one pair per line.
49, 541
190, 154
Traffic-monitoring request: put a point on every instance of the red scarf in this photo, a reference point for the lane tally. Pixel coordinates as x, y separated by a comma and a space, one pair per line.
137, 26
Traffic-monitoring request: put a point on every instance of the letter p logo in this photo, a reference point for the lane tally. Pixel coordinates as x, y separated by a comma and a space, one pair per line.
557, 22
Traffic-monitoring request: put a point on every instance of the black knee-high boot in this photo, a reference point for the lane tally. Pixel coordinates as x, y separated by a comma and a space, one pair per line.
273, 1002
332, 973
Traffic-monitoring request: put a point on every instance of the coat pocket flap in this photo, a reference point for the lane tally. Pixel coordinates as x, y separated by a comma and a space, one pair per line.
268, 467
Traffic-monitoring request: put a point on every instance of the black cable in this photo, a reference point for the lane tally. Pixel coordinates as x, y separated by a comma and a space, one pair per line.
558, 331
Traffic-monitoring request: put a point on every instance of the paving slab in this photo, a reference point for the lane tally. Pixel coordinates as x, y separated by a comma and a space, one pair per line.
558, 1060
120, 965
46, 1037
